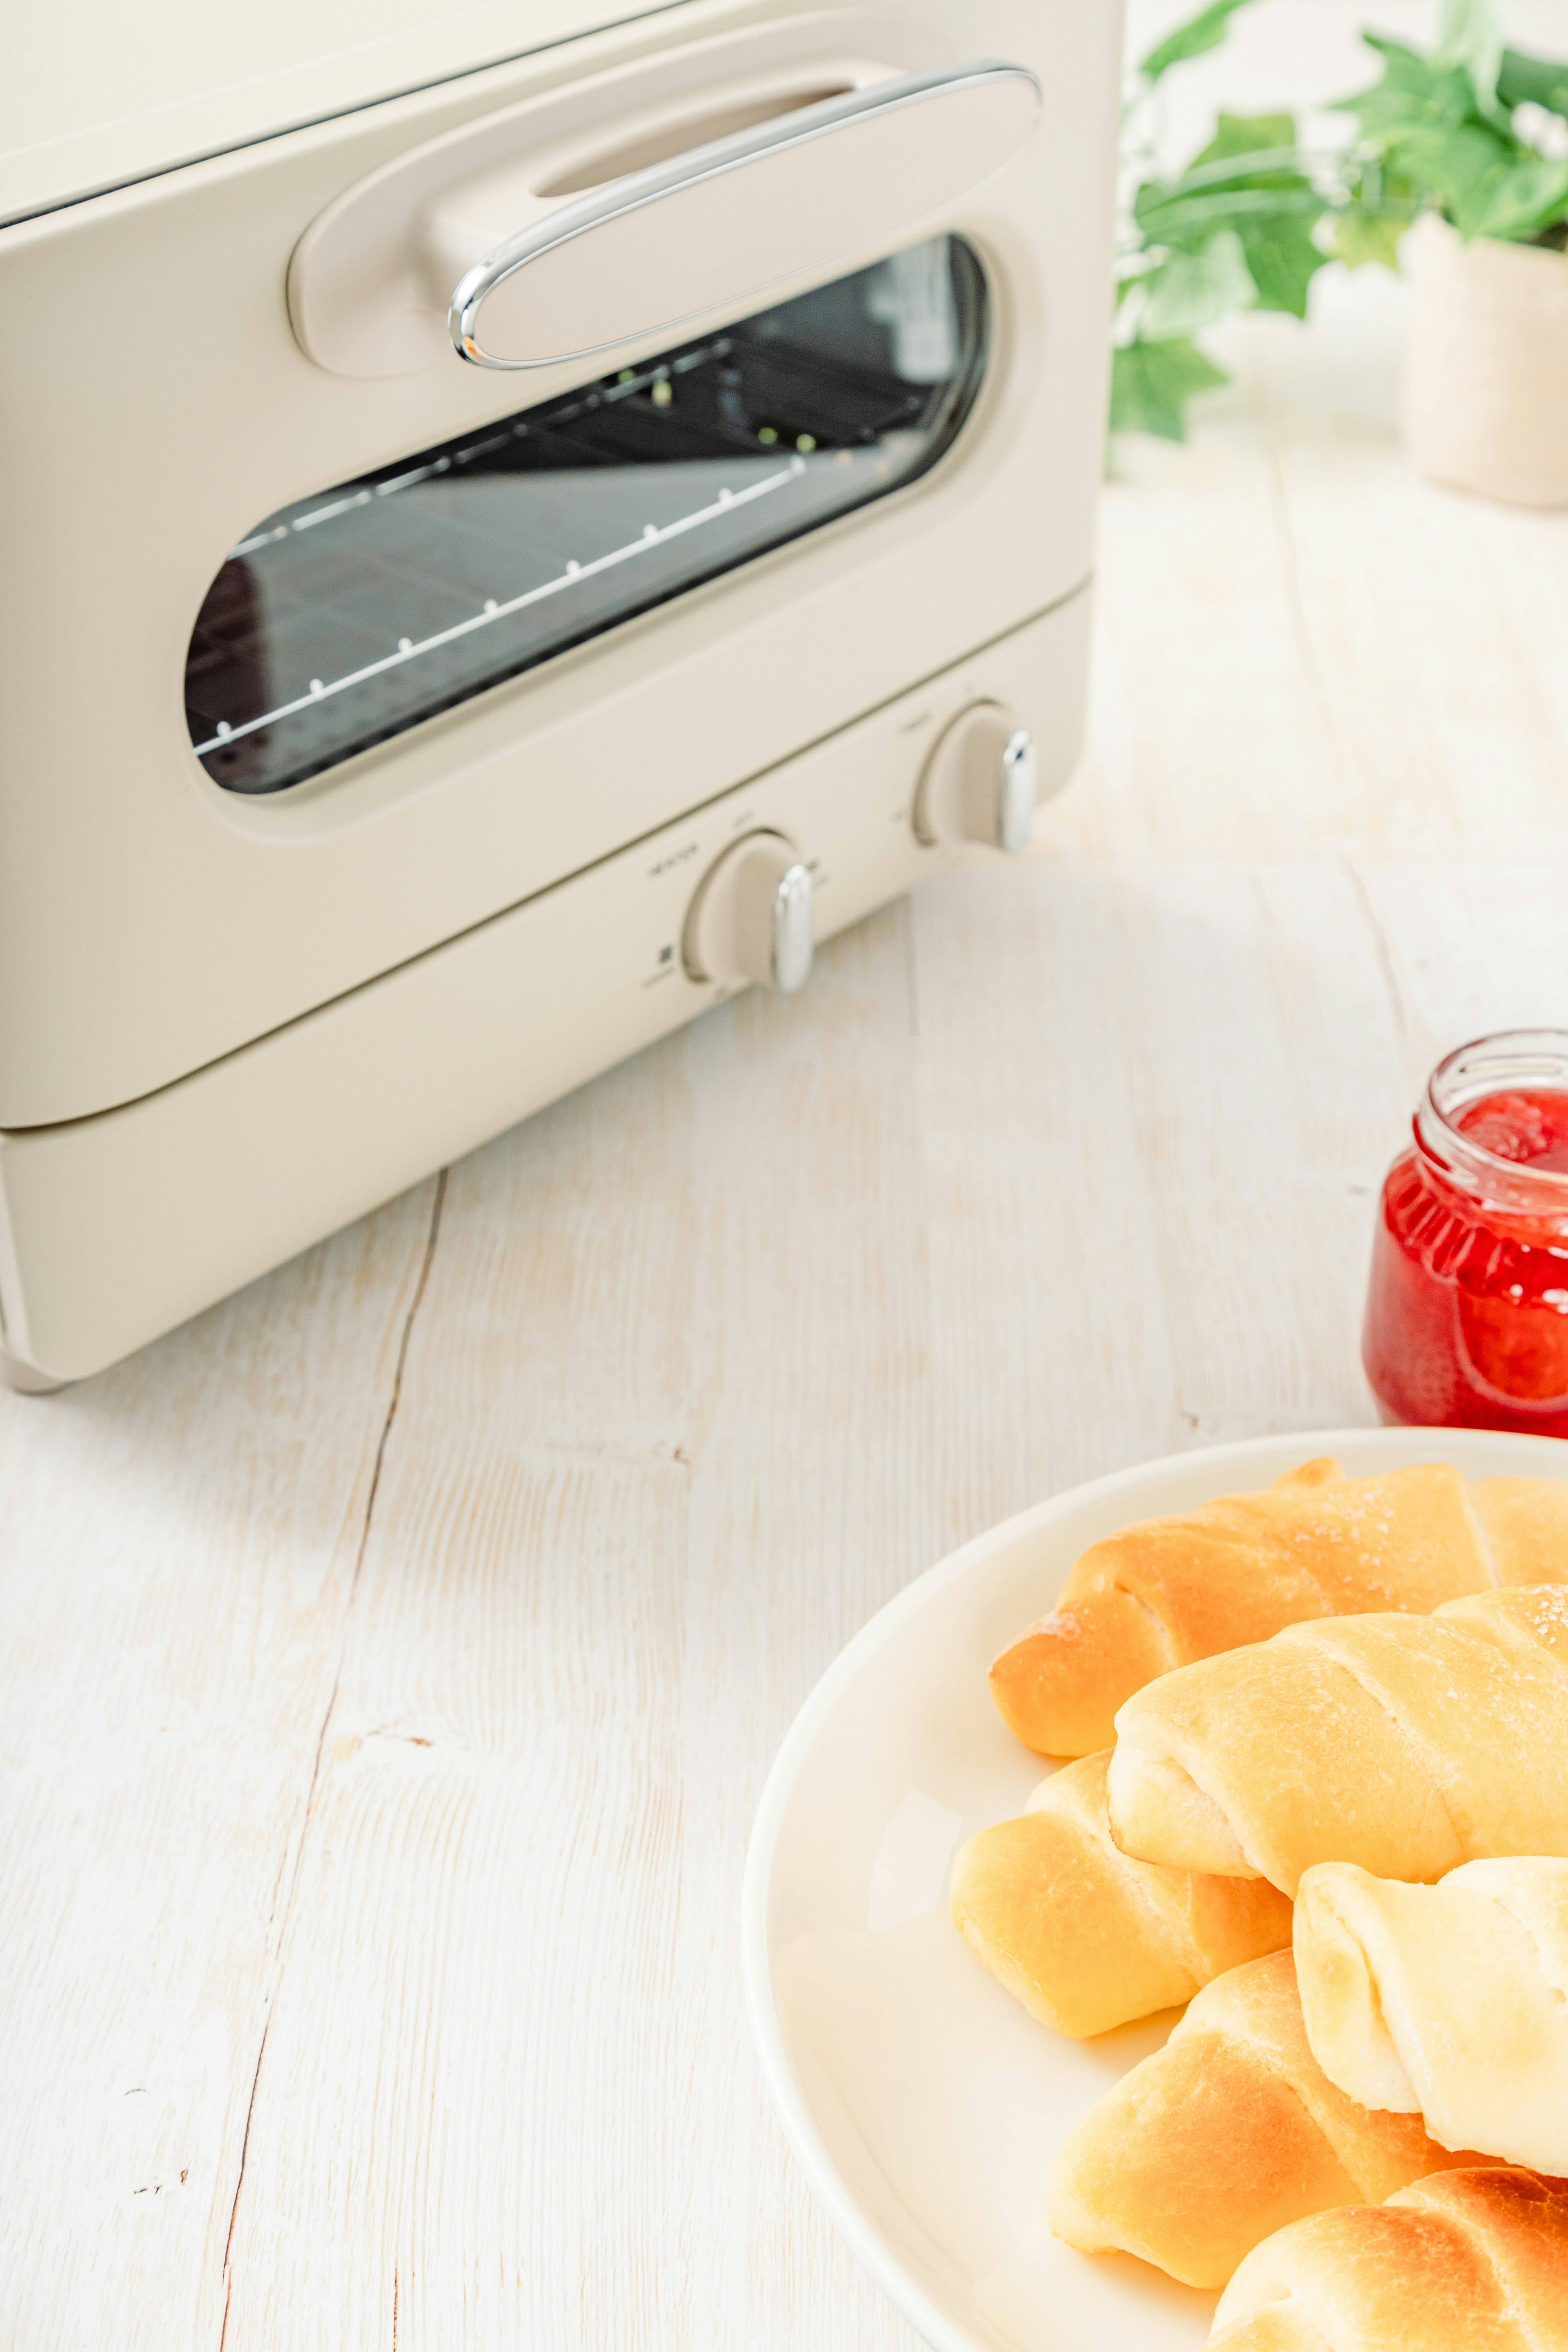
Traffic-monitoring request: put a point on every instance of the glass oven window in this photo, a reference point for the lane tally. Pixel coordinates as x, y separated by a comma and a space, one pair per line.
346, 618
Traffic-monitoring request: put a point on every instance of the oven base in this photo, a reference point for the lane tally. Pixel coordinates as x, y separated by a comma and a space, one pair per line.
117, 1227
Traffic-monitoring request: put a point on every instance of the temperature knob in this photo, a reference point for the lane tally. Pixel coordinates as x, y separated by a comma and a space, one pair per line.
979, 783
751, 917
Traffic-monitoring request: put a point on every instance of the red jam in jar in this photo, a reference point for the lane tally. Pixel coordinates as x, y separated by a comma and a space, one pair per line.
1466, 1317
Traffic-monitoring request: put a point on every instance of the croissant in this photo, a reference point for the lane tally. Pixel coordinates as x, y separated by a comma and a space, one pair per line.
1227, 2133
1472, 2261
1315, 1543
1086, 1937
1408, 1745
1448, 2001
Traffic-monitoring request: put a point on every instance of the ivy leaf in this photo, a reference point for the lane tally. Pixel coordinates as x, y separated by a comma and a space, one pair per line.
1516, 201
1186, 222
1471, 35
1532, 81
1486, 185
1415, 92
1239, 135
1151, 385
1192, 290
1205, 31
1275, 235
1247, 172
1284, 260
1360, 237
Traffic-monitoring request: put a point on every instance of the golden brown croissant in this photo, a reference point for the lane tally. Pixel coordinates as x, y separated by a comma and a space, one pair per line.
1448, 2001
1470, 2260
1315, 1543
1086, 1937
1224, 2134
1408, 1745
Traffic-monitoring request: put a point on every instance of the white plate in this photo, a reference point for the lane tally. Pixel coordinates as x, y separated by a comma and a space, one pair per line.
924, 2103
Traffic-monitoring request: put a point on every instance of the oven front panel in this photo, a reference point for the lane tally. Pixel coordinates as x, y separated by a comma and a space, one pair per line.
152, 920
112, 1229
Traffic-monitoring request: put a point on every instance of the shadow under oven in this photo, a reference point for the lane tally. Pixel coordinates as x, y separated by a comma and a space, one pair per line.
503, 566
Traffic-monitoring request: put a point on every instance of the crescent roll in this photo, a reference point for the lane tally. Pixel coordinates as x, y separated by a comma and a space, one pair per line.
1086, 1937
1448, 2001
1471, 2261
1408, 1745
1230, 2131
1315, 1543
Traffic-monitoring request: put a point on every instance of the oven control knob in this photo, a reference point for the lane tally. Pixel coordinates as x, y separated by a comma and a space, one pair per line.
979, 783
751, 917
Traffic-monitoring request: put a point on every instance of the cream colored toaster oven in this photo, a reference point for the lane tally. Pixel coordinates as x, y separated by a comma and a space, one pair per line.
514, 526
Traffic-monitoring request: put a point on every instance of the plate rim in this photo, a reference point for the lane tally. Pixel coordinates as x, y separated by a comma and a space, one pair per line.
811, 2151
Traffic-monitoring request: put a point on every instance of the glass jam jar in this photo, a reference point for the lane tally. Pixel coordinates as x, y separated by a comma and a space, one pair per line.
1466, 1317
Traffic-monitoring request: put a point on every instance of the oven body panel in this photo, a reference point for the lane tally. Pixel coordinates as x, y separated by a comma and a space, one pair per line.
113, 1228
151, 924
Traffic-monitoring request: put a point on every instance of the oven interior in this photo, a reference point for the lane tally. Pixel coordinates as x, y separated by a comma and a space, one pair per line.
344, 619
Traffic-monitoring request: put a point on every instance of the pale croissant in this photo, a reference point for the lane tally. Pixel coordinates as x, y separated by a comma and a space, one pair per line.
1408, 1745
1448, 2001
1315, 1543
1086, 1937
1224, 2134
1468, 2261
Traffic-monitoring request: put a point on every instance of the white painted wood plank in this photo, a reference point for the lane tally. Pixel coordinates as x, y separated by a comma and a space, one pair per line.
713, 1358
177, 1547
659, 1450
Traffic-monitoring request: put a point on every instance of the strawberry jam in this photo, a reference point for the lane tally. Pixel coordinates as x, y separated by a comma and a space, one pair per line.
1466, 1317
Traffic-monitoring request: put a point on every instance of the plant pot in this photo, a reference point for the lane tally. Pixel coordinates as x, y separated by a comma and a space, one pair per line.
1486, 372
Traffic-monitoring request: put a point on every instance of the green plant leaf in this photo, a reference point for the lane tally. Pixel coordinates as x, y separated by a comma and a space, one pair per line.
1487, 184
1192, 290
1532, 81
1205, 31
1239, 135
1516, 201
1269, 201
1248, 173
1187, 222
1151, 385
1415, 92
1358, 237
1471, 35
1283, 259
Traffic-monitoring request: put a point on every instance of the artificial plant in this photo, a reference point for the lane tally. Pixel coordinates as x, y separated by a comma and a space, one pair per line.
1467, 131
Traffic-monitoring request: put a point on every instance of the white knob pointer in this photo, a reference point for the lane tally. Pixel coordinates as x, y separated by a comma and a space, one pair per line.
751, 917
979, 783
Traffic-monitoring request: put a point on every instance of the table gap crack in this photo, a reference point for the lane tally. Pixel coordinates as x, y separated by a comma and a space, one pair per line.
415, 1304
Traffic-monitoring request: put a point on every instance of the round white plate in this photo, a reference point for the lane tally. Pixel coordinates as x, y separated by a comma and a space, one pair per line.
924, 2103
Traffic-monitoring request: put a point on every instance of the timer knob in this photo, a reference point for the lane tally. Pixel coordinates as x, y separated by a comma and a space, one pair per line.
979, 783
751, 917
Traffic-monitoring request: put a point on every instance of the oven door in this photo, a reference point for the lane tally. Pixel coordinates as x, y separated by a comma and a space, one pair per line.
354, 615
308, 670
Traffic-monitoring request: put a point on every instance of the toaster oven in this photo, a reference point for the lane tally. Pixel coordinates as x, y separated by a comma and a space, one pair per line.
513, 527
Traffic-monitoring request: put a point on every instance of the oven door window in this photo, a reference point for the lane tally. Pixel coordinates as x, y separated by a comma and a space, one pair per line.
342, 620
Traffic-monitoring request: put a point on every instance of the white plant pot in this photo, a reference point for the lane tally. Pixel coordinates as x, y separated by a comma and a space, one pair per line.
1486, 372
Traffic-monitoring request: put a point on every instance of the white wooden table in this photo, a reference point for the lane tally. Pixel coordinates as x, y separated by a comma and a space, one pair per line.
394, 1656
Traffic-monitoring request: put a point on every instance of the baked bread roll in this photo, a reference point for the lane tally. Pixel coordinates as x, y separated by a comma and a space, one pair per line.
1315, 1543
1408, 1745
1473, 2261
1448, 2001
1230, 2131
1086, 1937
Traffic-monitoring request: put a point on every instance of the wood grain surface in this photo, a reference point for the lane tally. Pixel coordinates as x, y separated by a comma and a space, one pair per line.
392, 1657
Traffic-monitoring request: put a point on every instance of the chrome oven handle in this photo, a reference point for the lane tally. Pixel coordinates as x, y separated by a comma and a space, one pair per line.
999, 102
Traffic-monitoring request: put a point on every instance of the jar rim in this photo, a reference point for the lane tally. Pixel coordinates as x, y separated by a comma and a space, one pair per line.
1508, 1059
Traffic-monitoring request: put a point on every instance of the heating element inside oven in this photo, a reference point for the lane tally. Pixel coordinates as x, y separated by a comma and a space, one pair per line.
346, 618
